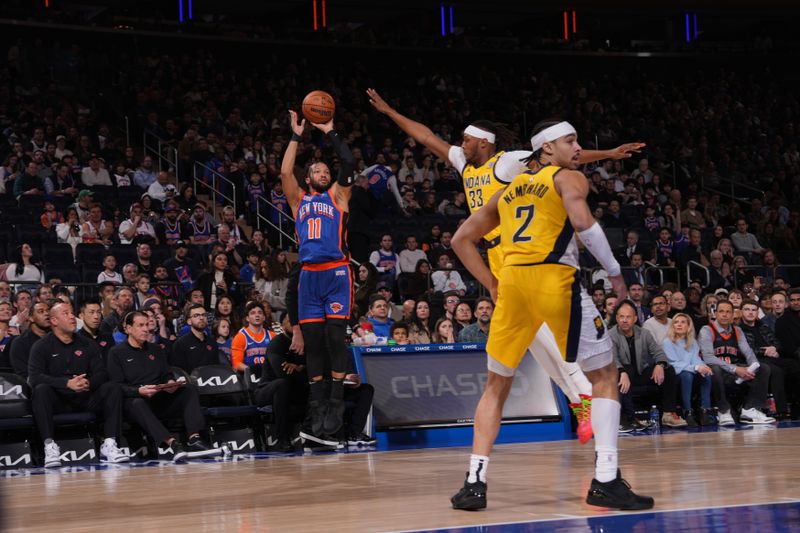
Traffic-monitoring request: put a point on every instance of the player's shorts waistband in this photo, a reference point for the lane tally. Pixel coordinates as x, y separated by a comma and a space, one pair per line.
326, 266
492, 243
542, 263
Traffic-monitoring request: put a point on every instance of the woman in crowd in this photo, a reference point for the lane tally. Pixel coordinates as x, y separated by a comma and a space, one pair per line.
366, 282
443, 332
740, 274
216, 281
23, 268
736, 297
717, 234
420, 328
419, 283
726, 247
69, 231
225, 310
670, 218
683, 353
708, 311
259, 243
187, 200
272, 283
280, 263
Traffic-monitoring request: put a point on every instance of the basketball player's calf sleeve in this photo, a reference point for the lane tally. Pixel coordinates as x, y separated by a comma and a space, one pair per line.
315, 348
605, 425
549, 358
335, 331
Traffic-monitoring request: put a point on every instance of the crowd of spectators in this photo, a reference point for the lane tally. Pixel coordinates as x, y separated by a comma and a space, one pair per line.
67, 177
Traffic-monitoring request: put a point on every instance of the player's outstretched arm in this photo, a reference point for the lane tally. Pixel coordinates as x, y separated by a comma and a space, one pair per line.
466, 238
623, 151
419, 132
347, 163
573, 188
291, 189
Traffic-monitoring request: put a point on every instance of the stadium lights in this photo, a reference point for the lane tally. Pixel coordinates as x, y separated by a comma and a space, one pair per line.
447, 26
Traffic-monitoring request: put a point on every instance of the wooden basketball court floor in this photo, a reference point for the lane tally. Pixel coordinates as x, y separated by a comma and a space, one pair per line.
532, 487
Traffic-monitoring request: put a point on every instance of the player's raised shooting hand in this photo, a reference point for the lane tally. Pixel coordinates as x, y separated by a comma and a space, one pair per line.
297, 127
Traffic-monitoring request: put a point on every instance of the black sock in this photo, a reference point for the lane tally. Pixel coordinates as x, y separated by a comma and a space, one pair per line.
337, 389
317, 390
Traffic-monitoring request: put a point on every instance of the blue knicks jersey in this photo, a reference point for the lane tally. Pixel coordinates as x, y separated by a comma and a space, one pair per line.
321, 230
378, 176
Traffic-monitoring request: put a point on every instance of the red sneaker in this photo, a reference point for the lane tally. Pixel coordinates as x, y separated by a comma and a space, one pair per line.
584, 431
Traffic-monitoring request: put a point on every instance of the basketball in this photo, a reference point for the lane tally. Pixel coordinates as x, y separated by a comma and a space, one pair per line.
318, 107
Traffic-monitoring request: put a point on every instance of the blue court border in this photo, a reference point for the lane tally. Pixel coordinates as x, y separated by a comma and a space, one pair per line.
771, 517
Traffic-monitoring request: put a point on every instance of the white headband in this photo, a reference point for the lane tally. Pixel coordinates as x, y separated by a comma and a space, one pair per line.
472, 131
562, 129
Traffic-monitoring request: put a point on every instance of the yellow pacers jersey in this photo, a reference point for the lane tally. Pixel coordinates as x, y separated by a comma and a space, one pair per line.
480, 185
534, 226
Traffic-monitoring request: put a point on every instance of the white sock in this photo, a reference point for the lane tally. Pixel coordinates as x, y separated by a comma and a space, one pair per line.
478, 464
579, 379
605, 424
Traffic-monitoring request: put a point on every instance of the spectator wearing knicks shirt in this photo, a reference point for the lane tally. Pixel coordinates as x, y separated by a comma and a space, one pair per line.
249, 346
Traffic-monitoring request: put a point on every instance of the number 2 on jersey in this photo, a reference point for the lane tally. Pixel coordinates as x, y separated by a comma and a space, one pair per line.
314, 228
527, 212
476, 198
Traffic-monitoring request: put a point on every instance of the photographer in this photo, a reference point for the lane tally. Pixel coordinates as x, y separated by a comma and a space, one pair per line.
69, 231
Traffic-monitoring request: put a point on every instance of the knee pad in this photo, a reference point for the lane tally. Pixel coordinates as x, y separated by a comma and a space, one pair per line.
314, 337
336, 331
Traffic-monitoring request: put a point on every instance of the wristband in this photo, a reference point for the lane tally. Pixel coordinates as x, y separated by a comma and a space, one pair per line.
296, 137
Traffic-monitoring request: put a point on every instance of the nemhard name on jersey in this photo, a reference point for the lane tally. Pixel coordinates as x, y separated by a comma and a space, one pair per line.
536, 189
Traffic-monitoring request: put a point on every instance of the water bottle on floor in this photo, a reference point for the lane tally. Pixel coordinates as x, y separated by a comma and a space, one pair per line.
771, 407
655, 419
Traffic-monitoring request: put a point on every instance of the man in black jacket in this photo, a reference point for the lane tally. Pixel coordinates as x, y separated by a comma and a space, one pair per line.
787, 326
92, 316
362, 210
784, 369
151, 392
283, 384
195, 348
66, 373
21, 346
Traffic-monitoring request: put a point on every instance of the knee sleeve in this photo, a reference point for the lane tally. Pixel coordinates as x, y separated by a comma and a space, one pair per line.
315, 348
335, 330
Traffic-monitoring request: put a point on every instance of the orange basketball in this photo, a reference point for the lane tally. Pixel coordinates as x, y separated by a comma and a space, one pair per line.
318, 107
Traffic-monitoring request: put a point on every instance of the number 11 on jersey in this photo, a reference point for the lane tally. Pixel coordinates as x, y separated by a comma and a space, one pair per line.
314, 228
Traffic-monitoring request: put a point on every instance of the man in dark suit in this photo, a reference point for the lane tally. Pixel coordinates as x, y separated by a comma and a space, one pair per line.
625, 253
636, 272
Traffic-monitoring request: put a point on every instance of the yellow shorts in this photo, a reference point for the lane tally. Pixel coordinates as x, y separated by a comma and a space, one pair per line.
529, 296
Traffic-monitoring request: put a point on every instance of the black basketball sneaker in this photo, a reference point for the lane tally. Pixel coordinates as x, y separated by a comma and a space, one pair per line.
617, 494
471, 497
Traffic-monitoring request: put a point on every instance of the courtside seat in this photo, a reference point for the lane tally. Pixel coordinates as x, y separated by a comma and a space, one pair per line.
220, 382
